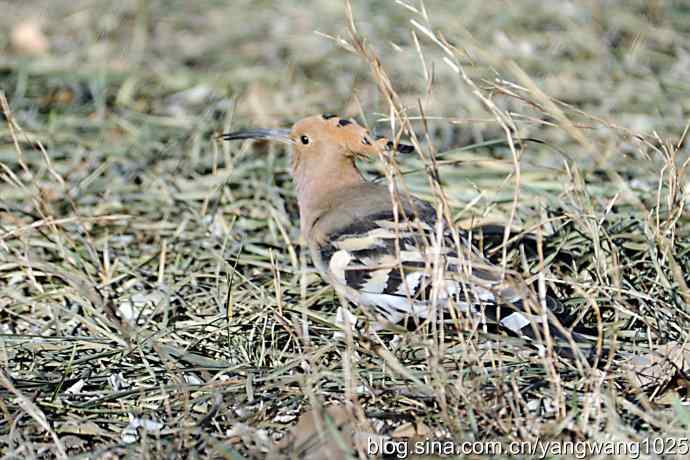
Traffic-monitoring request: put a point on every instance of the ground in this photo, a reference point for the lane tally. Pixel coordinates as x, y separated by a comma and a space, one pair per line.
156, 298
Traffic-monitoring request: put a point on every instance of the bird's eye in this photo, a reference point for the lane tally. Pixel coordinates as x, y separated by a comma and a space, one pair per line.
304, 139
365, 141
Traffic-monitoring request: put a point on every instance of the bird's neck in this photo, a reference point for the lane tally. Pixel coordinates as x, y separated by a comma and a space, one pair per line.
319, 184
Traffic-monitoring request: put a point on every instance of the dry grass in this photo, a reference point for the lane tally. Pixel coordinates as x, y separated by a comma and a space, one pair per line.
156, 300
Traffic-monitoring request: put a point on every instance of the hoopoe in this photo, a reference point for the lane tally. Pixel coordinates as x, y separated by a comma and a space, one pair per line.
394, 257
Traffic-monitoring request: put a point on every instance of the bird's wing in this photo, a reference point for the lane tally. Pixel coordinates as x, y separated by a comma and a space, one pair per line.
401, 267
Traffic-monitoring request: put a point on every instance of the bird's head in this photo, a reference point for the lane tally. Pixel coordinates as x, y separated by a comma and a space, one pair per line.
322, 139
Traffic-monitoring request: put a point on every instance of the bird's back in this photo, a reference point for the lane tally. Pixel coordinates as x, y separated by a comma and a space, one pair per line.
356, 205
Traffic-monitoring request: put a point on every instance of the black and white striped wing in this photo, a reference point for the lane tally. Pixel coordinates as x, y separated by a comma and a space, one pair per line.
396, 269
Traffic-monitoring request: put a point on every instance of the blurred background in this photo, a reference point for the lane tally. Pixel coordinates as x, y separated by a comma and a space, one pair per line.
628, 58
143, 76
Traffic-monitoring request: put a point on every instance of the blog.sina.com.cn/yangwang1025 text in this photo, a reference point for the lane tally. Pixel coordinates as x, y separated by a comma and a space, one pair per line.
538, 448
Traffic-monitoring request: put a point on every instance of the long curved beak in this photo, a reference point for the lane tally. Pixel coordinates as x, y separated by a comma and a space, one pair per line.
272, 134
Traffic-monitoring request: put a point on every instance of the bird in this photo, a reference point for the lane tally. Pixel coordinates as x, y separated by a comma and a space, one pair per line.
394, 256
